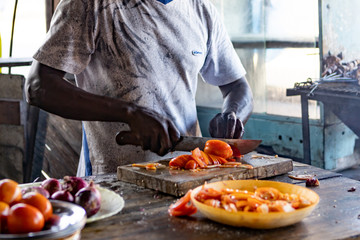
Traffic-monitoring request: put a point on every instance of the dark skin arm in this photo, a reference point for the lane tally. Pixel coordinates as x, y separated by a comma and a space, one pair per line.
46, 88
236, 110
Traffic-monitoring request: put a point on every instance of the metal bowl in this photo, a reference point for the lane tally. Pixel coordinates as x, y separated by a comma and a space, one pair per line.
72, 220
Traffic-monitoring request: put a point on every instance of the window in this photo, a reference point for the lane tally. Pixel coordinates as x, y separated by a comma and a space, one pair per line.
276, 41
29, 31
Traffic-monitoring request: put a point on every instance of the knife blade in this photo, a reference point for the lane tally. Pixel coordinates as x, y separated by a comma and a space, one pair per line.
188, 143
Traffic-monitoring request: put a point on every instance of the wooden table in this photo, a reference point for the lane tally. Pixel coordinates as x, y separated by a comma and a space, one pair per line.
145, 214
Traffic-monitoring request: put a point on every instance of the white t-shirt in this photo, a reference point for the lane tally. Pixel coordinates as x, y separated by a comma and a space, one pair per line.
144, 52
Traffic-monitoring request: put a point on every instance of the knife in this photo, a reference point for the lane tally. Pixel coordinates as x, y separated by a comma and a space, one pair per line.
188, 143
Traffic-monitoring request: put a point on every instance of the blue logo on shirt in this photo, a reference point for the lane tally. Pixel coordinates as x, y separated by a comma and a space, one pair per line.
196, 53
165, 1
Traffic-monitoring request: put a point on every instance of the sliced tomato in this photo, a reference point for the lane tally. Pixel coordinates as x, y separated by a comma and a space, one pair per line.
183, 206
206, 158
214, 159
208, 193
180, 161
179, 204
236, 151
217, 159
191, 164
218, 148
196, 154
150, 166
187, 211
254, 202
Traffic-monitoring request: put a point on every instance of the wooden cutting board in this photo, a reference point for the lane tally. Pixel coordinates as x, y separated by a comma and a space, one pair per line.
178, 182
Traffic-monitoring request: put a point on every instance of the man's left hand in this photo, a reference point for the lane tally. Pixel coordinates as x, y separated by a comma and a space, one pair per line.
226, 125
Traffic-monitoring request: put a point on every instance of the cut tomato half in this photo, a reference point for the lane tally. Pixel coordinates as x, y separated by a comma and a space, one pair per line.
218, 148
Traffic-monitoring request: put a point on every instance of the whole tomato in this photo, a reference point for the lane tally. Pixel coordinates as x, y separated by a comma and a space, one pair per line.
39, 201
218, 148
24, 218
10, 191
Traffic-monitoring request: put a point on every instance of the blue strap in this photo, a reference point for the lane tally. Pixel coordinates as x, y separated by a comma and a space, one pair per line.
165, 1
88, 167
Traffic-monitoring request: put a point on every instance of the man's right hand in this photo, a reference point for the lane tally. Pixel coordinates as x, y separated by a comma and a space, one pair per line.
149, 130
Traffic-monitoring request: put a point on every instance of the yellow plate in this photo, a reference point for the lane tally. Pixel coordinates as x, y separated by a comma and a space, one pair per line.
252, 219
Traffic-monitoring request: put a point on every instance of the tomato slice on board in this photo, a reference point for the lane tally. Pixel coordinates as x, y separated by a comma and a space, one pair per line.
196, 153
191, 164
218, 148
206, 158
180, 161
214, 159
217, 159
183, 206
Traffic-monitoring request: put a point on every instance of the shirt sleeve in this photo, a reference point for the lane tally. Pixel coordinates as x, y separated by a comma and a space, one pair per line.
69, 42
222, 64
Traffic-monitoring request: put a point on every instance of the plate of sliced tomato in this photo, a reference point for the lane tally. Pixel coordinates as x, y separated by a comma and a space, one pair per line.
258, 204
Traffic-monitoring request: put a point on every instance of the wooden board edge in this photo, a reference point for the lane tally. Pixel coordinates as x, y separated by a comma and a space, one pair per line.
287, 167
179, 189
147, 182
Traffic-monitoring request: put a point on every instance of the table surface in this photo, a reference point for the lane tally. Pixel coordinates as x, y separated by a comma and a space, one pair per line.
145, 215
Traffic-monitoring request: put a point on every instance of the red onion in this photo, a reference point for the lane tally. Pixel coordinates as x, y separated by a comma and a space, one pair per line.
38, 189
89, 198
63, 195
51, 185
312, 182
52, 222
74, 184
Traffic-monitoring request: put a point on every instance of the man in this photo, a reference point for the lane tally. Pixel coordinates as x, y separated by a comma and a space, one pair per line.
136, 65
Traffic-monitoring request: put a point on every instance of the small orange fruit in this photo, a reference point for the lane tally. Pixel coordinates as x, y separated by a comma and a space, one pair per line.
39, 201
24, 218
10, 191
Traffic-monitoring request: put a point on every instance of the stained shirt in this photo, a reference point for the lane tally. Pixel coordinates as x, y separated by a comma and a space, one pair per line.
146, 52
